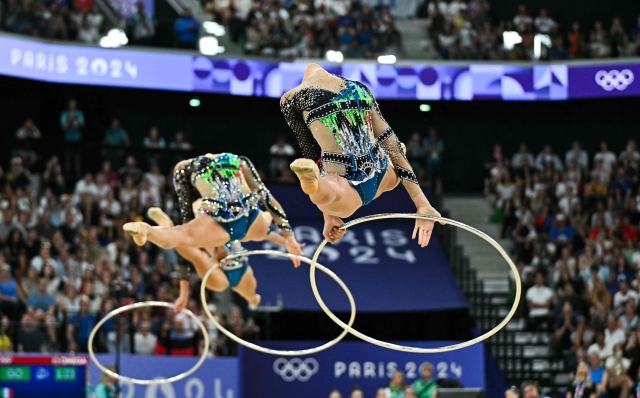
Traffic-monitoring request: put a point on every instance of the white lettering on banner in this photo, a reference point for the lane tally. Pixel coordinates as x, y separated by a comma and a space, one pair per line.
367, 370
217, 387
5, 360
363, 255
191, 384
360, 254
59, 64
354, 370
338, 369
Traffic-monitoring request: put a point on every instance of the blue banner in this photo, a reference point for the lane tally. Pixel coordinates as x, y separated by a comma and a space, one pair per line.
216, 378
383, 267
349, 364
417, 80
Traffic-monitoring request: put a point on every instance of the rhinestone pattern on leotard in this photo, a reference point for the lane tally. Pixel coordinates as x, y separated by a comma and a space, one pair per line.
347, 115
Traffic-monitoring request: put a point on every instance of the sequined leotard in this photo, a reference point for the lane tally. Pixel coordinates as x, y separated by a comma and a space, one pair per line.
353, 118
232, 207
236, 268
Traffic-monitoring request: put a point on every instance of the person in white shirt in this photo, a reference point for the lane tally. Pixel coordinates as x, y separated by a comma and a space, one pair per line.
86, 187
144, 342
280, 152
455, 8
544, 23
613, 334
569, 201
522, 20
631, 154
523, 153
539, 299
625, 294
578, 156
629, 320
609, 159
599, 347
617, 376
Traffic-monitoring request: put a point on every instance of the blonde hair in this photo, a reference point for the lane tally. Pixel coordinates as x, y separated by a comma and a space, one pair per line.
587, 378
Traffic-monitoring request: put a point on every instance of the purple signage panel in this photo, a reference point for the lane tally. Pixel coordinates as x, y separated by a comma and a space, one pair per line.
94, 65
604, 81
184, 72
351, 363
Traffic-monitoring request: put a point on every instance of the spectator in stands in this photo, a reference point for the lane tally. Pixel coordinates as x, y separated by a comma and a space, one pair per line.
87, 32
548, 156
396, 385
616, 372
144, 341
80, 326
613, 334
107, 386
577, 156
141, 26
539, 298
11, 296
130, 171
115, 141
624, 295
582, 385
608, 158
522, 20
30, 339
112, 338
433, 148
6, 345
512, 392
72, 122
523, 155
564, 327
357, 393
425, 387
25, 136
530, 390
42, 306
186, 30
18, 177
281, 154
409, 393
629, 319
335, 394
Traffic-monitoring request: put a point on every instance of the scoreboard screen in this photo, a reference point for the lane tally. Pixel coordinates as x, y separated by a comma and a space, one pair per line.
57, 376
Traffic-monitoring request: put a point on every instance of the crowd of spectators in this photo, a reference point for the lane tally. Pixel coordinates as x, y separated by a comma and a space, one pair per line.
574, 222
465, 30
77, 20
65, 262
308, 29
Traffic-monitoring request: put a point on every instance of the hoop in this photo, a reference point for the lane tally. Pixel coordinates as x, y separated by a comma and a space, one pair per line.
265, 350
205, 350
418, 350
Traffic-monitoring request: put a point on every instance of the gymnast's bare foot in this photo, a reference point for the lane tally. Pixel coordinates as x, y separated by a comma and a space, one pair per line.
308, 173
138, 230
255, 301
159, 217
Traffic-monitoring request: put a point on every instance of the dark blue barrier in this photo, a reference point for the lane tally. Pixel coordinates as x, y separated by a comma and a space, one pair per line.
348, 364
384, 268
216, 378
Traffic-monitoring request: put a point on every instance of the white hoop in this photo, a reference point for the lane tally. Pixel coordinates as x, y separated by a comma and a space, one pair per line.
205, 350
418, 350
268, 350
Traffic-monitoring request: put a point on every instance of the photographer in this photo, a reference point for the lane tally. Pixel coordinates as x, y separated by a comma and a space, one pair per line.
72, 123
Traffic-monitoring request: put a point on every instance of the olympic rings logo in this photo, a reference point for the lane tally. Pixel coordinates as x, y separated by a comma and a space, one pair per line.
296, 369
614, 79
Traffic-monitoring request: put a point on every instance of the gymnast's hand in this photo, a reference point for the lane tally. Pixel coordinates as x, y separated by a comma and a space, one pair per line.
332, 232
424, 228
293, 247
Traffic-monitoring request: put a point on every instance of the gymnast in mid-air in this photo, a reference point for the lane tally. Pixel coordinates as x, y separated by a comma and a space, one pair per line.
231, 191
236, 273
350, 154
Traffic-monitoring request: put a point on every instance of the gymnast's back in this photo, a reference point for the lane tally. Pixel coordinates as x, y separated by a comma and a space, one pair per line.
329, 113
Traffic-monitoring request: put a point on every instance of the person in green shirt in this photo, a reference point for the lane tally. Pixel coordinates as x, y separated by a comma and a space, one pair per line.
107, 386
427, 387
396, 385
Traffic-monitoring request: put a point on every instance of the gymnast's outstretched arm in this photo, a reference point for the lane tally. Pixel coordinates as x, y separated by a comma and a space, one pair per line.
393, 148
